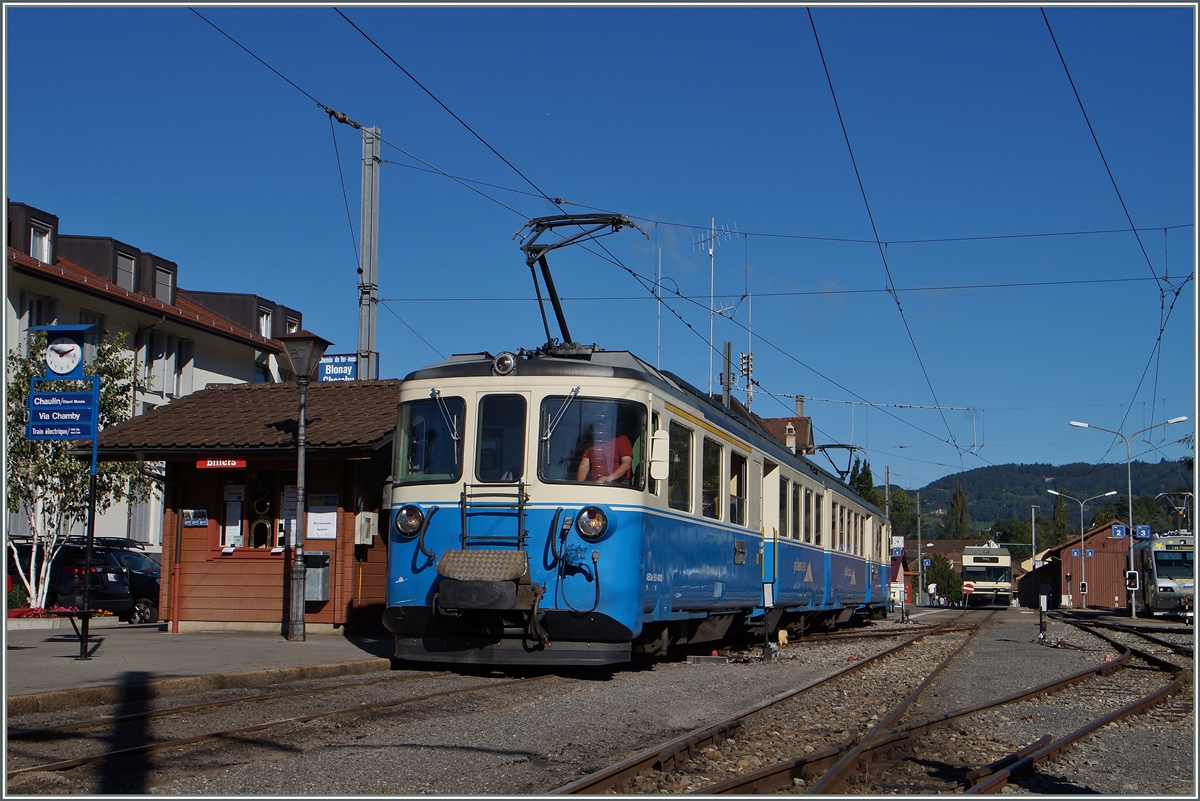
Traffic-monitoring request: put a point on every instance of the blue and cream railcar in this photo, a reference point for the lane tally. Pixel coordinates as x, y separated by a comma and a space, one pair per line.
503, 551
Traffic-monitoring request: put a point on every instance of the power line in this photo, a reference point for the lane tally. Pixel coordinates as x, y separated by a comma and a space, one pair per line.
443, 105
1095, 139
882, 252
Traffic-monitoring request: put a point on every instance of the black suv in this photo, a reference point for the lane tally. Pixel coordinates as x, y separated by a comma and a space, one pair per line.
144, 576
109, 585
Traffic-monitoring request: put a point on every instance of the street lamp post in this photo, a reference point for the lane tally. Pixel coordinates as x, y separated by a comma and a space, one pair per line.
1082, 550
304, 351
1129, 480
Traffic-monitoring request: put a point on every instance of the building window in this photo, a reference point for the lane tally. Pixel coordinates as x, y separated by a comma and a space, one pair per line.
181, 367
125, 272
39, 242
162, 284
293, 325
264, 322
42, 310
92, 340
262, 367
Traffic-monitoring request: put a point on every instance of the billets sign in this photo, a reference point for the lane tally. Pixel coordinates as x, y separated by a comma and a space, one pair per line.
218, 464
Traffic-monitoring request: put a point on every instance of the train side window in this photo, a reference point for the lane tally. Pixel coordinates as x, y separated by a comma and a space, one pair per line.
679, 476
500, 451
795, 511
783, 508
710, 477
430, 441
654, 424
593, 440
737, 488
808, 516
817, 508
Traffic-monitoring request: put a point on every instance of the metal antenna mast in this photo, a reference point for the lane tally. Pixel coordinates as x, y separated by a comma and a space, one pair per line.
710, 240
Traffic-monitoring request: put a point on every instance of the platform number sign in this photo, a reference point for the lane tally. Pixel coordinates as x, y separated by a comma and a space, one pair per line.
1141, 533
1075, 552
1119, 531
927, 562
1090, 552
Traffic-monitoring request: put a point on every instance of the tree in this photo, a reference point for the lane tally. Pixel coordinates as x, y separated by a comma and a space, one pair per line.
45, 482
949, 582
957, 525
1059, 519
862, 482
1009, 529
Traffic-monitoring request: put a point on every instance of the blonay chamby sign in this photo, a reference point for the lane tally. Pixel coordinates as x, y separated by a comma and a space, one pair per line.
63, 415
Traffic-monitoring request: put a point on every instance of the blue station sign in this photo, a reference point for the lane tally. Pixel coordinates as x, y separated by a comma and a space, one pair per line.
338, 367
1141, 533
1119, 531
61, 415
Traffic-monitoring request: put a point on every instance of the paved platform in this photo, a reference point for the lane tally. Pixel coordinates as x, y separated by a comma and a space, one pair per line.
42, 671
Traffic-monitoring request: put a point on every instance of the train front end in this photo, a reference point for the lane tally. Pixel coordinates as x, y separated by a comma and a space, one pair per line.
500, 552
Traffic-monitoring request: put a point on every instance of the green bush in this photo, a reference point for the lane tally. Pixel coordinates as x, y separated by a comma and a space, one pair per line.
17, 597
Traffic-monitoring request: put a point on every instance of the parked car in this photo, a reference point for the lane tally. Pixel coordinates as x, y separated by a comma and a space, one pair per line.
144, 576
108, 586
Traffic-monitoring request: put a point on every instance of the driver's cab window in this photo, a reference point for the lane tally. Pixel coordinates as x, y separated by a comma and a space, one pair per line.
593, 441
500, 452
430, 441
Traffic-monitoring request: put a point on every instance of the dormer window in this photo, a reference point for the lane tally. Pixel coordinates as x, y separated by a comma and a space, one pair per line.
293, 325
39, 242
125, 274
264, 321
162, 284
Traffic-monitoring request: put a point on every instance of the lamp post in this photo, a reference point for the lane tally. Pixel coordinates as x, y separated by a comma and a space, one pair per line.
1082, 550
303, 351
1129, 480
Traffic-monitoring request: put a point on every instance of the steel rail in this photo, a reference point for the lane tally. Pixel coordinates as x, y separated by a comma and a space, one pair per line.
1137, 631
998, 780
664, 756
780, 775
142, 749
836, 778
21, 734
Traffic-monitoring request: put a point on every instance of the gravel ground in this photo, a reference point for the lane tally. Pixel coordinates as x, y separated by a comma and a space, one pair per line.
555, 731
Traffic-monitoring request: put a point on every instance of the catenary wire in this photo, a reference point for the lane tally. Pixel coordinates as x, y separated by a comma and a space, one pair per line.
882, 252
1096, 140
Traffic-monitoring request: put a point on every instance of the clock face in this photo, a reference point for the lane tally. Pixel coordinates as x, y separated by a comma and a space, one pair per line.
63, 355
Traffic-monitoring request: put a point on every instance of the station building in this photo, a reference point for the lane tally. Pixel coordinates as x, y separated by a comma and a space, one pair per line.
181, 340
230, 463
1104, 571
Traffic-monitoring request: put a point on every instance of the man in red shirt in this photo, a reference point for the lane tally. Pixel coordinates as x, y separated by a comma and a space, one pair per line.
609, 460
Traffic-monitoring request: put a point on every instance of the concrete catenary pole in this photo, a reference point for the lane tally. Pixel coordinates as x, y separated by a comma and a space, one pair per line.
368, 281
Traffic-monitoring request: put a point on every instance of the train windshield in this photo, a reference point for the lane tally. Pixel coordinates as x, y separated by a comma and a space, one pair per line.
988, 573
429, 441
1173, 564
592, 440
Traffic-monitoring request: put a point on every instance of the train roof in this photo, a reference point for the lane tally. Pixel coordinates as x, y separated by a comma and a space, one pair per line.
590, 361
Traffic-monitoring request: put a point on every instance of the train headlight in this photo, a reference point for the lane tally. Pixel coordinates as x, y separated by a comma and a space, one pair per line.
409, 519
504, 363
591, 523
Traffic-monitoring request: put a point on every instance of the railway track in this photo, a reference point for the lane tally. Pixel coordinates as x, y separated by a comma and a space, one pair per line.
79, 744
979, 748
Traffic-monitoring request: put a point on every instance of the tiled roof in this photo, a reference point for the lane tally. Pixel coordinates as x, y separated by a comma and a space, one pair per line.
261, 419
184, 311
777, 428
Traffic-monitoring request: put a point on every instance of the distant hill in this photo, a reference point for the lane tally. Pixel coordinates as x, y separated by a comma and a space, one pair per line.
1010, 490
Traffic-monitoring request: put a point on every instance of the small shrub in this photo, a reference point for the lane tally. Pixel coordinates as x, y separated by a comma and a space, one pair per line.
18, 597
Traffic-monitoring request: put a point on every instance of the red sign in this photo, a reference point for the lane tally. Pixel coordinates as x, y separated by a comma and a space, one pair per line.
968, 587
209, 464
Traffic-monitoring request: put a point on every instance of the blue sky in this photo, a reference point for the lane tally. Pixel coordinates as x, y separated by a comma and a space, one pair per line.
147, 125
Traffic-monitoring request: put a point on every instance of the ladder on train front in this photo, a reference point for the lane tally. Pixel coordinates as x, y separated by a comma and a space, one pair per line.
489, 502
